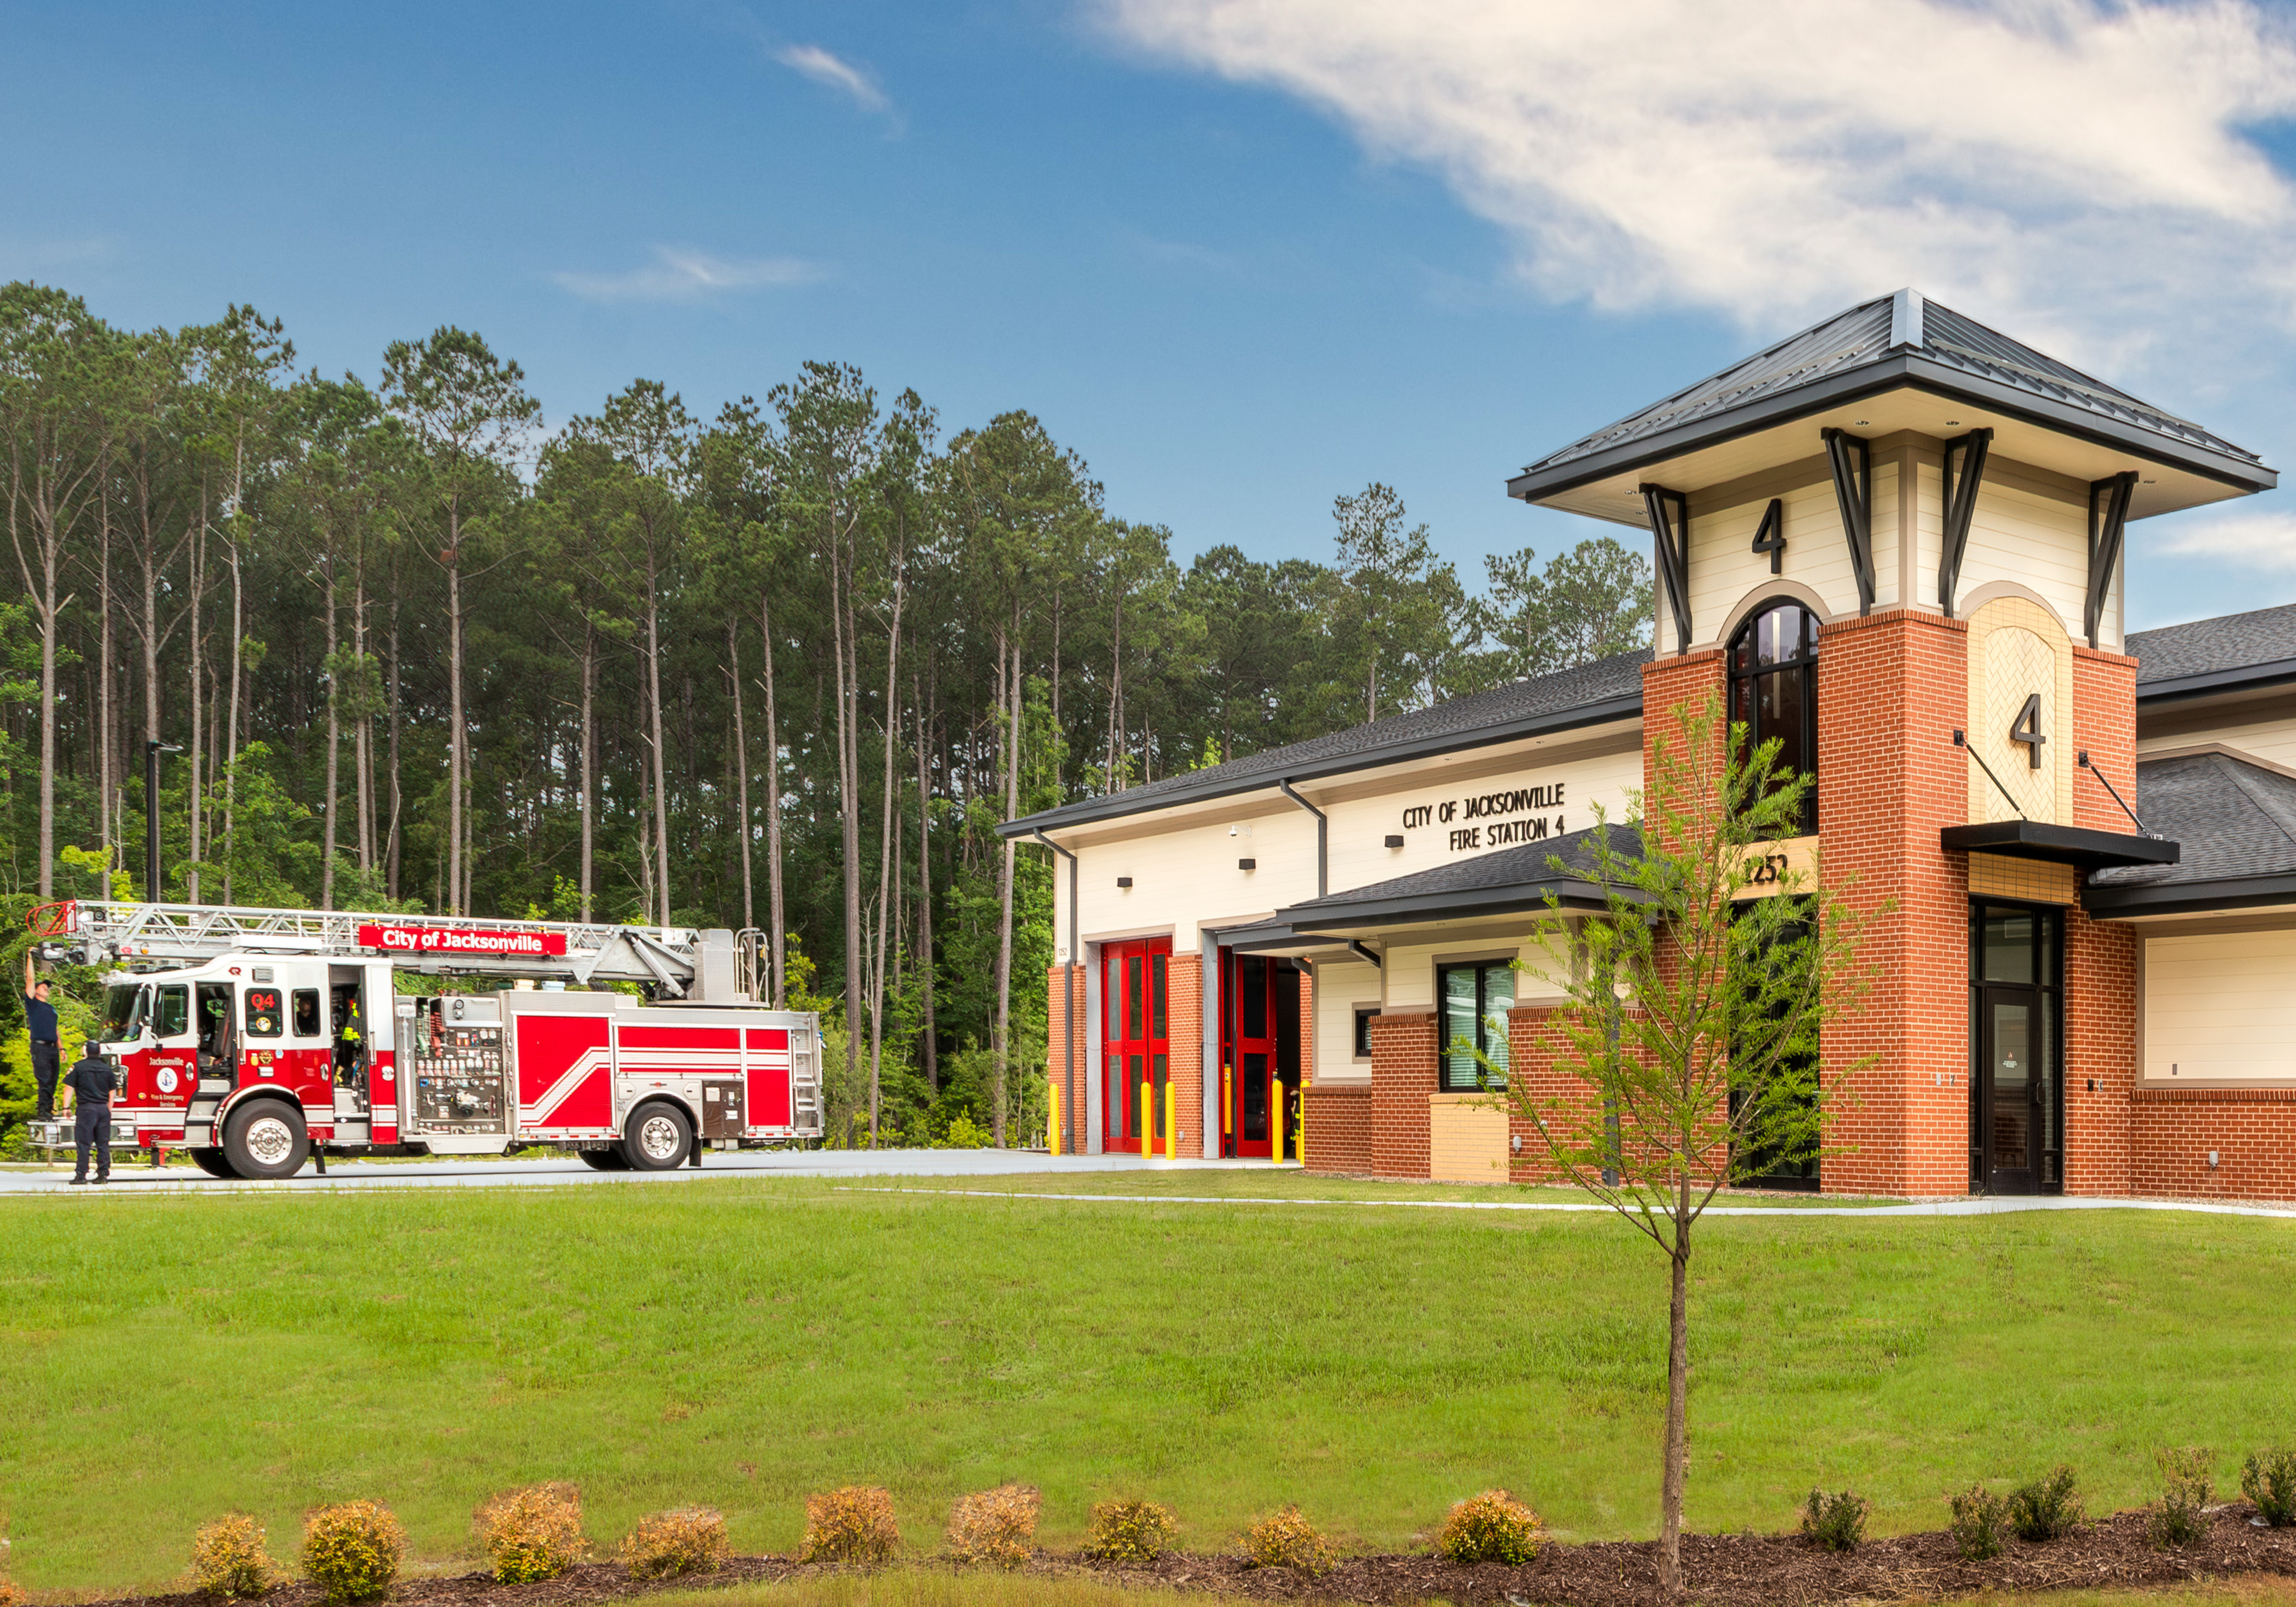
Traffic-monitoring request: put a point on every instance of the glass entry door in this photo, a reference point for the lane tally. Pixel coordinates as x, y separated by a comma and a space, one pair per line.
2016, 1085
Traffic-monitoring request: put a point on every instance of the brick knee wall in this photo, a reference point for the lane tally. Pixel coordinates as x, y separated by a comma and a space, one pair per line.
1339, 1128
2252, 1130
1402, 1077
1056, 1061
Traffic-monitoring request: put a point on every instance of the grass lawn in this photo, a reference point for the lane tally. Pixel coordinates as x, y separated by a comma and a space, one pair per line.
740, 1342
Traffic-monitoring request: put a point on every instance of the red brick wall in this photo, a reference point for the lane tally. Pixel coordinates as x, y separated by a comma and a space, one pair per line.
2253, 1131
1891, 689
2105, 726
1339, 1128
1184, 1027
2100, 1045
1402, 1077
1532, 1078
1057, 1036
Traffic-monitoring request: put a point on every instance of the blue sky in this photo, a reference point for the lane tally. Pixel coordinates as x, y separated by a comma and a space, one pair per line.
1243, 255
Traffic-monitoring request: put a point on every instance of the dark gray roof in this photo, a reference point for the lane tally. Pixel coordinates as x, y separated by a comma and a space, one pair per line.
2236, 822
1501, 880
1872, 347
2208, 654
1608, 688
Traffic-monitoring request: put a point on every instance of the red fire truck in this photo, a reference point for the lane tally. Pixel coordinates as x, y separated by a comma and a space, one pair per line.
249, 1037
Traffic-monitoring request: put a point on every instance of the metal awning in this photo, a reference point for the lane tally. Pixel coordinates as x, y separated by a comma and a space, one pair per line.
2091, 850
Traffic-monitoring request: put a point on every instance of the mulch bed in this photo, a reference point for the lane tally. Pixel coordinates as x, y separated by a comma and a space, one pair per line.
1719, 1571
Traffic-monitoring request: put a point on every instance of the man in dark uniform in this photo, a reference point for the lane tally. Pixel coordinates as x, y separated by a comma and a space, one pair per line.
91, 1082
40, 1016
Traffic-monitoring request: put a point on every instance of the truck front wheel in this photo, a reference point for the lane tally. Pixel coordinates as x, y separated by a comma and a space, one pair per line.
658, 1139
265, 1138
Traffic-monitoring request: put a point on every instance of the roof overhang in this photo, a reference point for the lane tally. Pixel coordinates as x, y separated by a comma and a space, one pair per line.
1278, 940
2066, 845
1117, 805
2244, 677
2114, 902
1341, 917
1717, 447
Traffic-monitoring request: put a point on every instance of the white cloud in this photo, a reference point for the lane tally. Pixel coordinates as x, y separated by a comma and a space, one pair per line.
2250, 541
2071, 167
684, 276
822, 67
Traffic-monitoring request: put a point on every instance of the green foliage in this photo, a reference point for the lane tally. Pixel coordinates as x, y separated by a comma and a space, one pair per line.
1124, 1532
2048, 1508
534, 1533
229, 1561
352, 1550
1979, 1523
1286, 1539
2179, 1514
2268, 1478
1834, 1522
1493, 1526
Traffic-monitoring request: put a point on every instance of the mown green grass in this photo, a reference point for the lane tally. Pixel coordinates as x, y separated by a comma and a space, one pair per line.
740, 1343
1291, 1182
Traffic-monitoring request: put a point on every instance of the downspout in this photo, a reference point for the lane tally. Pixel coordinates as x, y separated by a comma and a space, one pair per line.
1068, 988
1322, 838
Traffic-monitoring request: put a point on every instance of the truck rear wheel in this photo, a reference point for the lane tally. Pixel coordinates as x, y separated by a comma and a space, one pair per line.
608, 1160
212, 1163
658, 1139
266, 1138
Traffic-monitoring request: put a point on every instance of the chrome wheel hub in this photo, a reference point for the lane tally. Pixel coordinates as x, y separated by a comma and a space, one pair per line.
657, 1138
270, 1140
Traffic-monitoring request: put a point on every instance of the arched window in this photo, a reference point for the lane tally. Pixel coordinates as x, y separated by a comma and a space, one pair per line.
1774, 689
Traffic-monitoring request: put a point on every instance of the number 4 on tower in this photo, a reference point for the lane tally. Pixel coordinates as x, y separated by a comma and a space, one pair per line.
2027, 729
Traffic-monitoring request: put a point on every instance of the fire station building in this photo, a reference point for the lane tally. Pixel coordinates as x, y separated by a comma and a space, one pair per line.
1896, 543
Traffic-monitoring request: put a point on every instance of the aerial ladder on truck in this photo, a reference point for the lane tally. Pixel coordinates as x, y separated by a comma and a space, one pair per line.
254, 1039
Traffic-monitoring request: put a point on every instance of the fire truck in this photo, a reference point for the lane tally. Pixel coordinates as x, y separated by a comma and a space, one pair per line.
252, 1037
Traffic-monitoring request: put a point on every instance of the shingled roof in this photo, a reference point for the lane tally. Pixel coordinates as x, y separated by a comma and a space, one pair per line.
1890, 339
1608, 688
2208, 654
1504, 881
2236, 822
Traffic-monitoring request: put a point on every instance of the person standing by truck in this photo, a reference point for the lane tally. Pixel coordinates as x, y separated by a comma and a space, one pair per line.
91, 1081
40, 1016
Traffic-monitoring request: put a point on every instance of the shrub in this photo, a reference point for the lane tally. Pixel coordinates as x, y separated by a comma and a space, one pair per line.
1129, 1531
1493, 1526
850, 1525
1837, 1522
1288, 1540
1980, 1521
13, 1595
228, 1559
535, 1533
669, 1544
2049, 1508
995, 1526
2179, 1517
351, 1551
2268, 1478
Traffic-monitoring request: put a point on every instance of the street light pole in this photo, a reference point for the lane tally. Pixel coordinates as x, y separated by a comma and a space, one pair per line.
151, 752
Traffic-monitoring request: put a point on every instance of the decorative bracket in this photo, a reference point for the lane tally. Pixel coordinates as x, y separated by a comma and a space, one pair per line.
1670, 524
1960, 508
1852, 456
1771, 537
2108, 521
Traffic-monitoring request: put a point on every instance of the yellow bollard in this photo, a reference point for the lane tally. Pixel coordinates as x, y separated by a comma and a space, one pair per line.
1171, 1124
1301, 1146
1147, 1119
1276, 1119
1051, 1116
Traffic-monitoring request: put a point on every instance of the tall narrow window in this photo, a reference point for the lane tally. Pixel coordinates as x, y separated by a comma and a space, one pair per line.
1773, 690
1474, 1000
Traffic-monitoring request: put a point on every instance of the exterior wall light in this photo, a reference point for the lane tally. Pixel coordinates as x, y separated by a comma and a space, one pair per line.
1394, 842
1247, 865
1124, 881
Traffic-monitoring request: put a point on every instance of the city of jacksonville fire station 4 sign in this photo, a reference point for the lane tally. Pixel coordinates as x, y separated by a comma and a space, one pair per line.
1494, 820
459, 941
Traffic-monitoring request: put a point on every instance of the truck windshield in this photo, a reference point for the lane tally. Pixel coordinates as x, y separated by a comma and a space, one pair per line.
123, 1010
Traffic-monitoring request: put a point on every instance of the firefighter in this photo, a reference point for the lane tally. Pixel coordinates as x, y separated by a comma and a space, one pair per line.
91, 1082
348, 1044
40, 1016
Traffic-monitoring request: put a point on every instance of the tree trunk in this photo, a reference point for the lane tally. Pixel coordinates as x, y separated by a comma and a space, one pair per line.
772, 807
334, 747
106, 772
1678, 1403
231, 721
394, 840
457, 752
193, 752
924, 893
891, 727
654, 705
1004, 1035
848, 812
589, 762
740, 772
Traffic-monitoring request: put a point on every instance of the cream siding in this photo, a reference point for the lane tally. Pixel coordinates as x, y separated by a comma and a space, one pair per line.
2220, 1008
2271, 738
2039, 538
1929, 533
1724, 570
1340, 987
